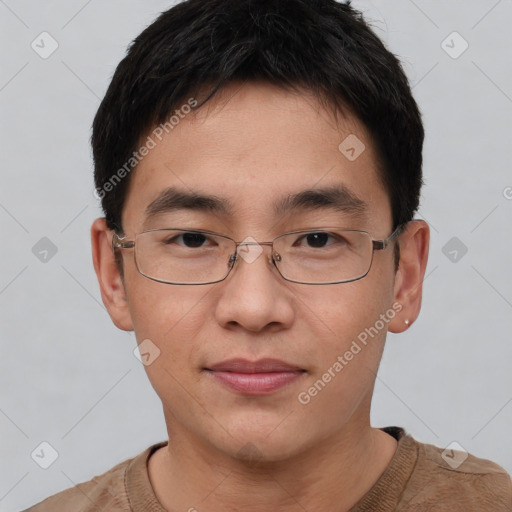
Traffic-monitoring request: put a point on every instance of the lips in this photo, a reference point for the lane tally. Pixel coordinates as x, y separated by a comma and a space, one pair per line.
255, 377
261, 366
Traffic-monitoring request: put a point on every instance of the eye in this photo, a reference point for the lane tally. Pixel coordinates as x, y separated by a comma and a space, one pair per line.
191, 240
316, 240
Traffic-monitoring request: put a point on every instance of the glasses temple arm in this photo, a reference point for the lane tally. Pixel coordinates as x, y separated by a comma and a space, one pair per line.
121, 243
378, 245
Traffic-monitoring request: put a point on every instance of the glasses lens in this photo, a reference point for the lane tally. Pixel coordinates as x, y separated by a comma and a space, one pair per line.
325, 255
183, 257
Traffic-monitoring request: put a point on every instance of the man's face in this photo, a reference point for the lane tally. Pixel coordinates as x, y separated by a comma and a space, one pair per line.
253, 147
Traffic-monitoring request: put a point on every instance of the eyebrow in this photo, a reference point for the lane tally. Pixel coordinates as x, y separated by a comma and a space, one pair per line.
172, 199
336, 197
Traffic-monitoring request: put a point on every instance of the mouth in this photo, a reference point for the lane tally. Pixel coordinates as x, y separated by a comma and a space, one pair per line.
261, 377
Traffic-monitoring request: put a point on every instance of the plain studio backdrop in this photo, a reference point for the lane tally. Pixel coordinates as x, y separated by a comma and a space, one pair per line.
69, 378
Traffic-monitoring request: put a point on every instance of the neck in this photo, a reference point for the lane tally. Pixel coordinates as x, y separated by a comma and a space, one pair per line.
333, 475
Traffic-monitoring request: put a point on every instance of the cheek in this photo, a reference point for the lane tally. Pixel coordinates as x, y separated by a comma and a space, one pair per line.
171, 316
346, 309
157, 308
349, 338
348, 321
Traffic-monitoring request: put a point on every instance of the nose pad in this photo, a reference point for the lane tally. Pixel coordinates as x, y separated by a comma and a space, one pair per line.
273, 258
232, 260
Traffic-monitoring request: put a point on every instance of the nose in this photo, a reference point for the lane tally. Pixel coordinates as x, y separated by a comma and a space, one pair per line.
254, 296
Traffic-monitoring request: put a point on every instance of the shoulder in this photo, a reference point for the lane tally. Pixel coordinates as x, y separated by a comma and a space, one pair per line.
458, 481
107, 491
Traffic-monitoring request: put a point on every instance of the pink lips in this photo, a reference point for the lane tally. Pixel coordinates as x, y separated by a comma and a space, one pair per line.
255, 378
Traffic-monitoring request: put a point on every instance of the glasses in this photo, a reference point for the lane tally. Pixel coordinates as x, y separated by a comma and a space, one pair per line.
310, 256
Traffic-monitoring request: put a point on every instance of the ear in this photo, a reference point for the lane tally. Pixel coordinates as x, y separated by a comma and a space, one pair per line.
408, 287
110, 281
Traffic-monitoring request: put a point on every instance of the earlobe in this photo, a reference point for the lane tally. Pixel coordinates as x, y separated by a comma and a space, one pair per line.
414, 243
109, 279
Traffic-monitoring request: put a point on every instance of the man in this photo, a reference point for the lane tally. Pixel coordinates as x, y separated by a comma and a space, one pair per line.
259, 166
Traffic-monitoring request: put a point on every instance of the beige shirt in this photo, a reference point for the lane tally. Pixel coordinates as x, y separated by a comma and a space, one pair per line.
418, 479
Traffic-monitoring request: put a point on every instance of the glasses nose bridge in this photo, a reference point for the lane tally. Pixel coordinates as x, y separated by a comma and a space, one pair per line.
244, 243
238, 244
234, 257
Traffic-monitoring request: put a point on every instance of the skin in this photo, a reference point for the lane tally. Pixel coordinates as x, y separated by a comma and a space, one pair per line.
252, 145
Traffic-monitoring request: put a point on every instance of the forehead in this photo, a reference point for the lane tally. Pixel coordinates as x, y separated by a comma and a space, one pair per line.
253, 146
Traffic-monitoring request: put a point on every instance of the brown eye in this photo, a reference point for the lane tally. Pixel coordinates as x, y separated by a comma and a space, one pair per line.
190, 239
317, 239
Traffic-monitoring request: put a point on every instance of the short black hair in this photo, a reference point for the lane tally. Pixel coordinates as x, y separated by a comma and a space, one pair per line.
320, 46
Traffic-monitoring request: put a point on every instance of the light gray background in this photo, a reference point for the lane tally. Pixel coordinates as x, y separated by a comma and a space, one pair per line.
69, 377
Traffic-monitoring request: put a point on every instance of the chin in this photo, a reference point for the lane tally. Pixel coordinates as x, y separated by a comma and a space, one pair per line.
262, 440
